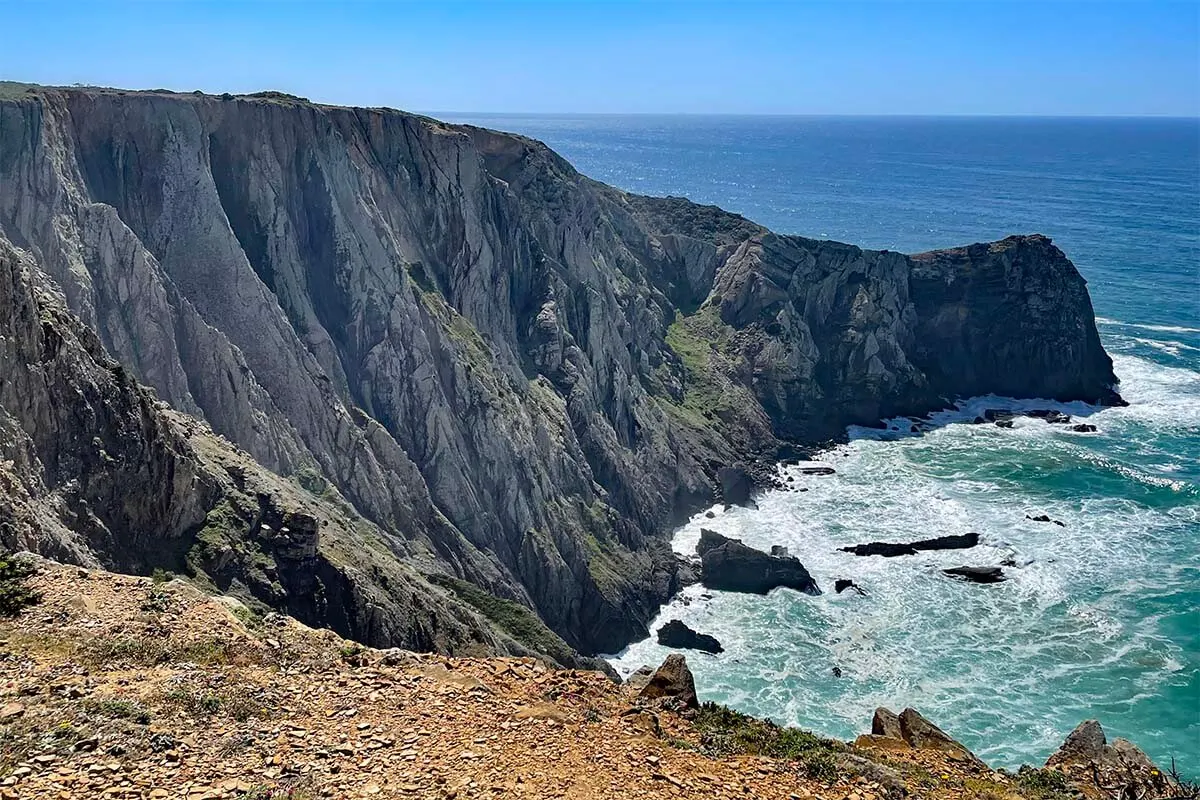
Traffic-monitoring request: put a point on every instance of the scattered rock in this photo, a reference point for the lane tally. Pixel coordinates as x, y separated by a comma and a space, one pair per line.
977, 574
732, 566
672, 679
890, 549
890, 781
676, 634
1046, 518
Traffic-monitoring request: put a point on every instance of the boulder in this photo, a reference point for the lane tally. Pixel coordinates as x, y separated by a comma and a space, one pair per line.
817, 469
1004, 423
1084, 427
1087, 746
924, 735
779, 551
886, 723
676, 634
1046, 518
638, 680
1050, 415
977, 574
734, 567
672, 680
890, 549
842, 584
737, 487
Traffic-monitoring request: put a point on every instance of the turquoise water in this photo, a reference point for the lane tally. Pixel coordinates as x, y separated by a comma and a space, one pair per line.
1103, 617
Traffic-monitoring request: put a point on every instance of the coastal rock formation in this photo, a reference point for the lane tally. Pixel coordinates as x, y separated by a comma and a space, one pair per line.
909, 728
1087, 745
678, 635
892, 549
517, 378
673, 681
735, 567
977, 574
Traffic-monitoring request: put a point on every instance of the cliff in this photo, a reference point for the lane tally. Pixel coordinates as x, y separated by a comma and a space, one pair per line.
515, 377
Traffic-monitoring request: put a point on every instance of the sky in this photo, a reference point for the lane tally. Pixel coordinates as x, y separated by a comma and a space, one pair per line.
1054, 57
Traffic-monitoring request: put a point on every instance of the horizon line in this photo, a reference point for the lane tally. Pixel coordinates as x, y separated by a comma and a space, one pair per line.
805, 114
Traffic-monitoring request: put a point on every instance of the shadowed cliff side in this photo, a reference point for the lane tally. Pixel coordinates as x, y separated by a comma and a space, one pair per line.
522, 376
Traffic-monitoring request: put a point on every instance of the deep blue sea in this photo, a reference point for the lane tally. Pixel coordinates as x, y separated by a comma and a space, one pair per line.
1103, 617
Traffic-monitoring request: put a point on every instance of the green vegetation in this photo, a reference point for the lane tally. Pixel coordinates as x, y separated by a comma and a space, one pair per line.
15, 594
699, 340
513, 618
119, 709
1048, 784
724, 731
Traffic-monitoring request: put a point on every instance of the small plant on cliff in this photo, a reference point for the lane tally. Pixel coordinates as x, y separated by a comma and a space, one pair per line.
15, 594
724, 731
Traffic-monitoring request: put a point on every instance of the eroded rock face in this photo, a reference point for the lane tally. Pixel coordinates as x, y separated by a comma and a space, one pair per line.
910, 728
519, 376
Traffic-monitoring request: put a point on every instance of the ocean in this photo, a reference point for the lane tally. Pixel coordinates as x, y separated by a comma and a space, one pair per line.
1102, 617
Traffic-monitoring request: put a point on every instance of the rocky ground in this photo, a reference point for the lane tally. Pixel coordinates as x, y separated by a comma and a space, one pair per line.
117, 686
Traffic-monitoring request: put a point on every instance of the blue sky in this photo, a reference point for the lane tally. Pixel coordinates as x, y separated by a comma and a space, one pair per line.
963, 57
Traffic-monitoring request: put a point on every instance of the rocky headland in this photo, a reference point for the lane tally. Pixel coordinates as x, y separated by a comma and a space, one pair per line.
426, 384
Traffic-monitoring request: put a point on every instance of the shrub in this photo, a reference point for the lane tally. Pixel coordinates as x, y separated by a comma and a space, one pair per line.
15, 594
724, 731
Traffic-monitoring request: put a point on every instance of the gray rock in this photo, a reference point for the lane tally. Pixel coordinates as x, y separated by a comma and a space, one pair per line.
672, 680
678, 635
885, 722
892, 549
1087, 745
737, 487
977, 574
730, 565
924, 735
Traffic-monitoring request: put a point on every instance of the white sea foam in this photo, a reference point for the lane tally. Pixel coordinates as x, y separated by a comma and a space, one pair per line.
1058, 639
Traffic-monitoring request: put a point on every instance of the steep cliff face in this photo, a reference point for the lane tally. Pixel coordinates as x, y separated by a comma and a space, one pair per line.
520, 375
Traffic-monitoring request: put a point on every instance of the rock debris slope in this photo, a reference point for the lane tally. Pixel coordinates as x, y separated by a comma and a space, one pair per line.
520, 377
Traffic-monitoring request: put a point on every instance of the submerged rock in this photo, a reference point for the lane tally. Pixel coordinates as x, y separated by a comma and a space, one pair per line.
672, 680
1046, 518
676, 634
730, 565
1084, 427
817, 470
977, 574
892, 549
842, 584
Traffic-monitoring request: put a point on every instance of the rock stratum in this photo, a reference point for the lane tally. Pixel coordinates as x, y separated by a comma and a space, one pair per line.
426, 384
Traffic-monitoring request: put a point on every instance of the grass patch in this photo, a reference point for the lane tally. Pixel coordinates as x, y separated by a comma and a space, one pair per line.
119, 709
724, 731
513, 618
1045, 784
699, 341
